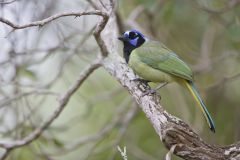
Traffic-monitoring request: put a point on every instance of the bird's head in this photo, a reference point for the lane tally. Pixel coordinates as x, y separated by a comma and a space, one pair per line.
132, 39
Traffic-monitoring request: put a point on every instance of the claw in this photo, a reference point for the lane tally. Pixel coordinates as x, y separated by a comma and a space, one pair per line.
153, 91
141, 80
150, 91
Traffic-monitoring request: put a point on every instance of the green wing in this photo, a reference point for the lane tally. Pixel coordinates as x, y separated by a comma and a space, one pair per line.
160, 57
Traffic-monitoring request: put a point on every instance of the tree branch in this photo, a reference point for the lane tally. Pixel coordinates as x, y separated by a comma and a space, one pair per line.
171, 130
101, 25
63, 100
54, 17
7, 2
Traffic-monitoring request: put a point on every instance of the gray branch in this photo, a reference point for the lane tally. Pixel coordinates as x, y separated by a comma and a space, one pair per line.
171, 130
63, 101
52, 18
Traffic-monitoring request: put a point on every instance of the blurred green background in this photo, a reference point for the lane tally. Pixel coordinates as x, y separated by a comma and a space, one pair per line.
102, 115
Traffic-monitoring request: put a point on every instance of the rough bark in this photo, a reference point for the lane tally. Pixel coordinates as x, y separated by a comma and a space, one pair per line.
172, 131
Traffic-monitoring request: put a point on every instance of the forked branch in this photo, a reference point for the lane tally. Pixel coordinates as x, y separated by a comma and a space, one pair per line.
172, 131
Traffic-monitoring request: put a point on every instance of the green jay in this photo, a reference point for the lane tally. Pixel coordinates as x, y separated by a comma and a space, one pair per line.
154, 62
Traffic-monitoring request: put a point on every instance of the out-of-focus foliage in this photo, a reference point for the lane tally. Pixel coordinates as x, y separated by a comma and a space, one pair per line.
205, 33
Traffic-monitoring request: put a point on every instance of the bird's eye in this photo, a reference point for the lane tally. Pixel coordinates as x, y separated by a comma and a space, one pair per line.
132, 35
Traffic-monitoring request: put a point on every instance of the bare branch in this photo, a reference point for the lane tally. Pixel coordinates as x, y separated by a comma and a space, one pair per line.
125, 123
171, 130
10, 145
123, 152
54, 17
176, 135
34, 92
64, 99
8, 2
99, 28
171, 151
121, 109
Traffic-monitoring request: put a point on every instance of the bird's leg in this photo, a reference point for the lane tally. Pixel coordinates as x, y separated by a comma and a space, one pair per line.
152, 91
141, 80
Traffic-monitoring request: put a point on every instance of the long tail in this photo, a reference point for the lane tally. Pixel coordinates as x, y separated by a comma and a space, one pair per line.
191, 87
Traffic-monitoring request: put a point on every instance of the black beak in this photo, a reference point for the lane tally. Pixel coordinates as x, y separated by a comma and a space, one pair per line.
122, 38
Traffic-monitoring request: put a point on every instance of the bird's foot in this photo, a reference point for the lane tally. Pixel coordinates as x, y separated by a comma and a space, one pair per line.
150, 91
141, 80
154, 91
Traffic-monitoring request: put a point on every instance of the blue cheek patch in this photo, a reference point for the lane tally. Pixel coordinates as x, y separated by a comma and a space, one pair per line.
134, 41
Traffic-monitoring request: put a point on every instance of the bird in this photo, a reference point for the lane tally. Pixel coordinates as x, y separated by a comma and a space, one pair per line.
153, 62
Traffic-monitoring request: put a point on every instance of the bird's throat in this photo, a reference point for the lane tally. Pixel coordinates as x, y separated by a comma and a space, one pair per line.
128, 48
127, 54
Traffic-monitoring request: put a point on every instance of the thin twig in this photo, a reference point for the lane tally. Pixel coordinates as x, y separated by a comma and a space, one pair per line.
123, 152
63, 100
54, 17
98, 135
170, 152
99, 28
34, 92
123, 129
8, 2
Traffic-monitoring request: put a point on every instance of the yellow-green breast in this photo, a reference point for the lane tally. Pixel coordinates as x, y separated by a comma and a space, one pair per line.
147, 72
